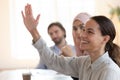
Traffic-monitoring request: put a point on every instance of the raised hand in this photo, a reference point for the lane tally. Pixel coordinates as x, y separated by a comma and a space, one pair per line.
30, 22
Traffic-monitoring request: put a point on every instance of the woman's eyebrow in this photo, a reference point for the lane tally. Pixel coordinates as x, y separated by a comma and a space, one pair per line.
91, 29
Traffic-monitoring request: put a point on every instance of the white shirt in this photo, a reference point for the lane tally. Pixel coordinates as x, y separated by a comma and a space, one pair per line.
103, 68
57, 51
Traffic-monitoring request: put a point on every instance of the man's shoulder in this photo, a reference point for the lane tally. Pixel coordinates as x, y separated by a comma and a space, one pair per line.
51, 47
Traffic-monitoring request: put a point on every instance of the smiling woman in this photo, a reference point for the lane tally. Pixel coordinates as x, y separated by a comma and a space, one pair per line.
53, 10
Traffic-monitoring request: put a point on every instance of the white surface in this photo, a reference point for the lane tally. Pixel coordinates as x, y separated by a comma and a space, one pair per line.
37, 74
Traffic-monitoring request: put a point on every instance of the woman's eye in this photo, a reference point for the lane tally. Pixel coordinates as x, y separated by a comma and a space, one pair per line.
51, 34
74, 28
81, 27
90, 32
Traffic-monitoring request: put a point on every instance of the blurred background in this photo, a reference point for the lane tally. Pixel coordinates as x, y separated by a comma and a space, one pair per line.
16, 50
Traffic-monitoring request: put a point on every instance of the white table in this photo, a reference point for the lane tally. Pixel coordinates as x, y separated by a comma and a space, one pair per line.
37, 74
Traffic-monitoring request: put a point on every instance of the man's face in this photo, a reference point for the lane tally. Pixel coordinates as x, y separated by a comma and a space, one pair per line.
56, 34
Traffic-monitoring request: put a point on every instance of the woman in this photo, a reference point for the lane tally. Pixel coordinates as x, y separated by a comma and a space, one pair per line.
78, 24
103, 61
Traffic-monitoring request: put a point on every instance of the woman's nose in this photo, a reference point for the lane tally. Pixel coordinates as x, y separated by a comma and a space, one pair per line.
79, 31
83, 34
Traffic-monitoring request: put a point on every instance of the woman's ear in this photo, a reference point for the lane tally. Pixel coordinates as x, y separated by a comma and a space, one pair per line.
106, 38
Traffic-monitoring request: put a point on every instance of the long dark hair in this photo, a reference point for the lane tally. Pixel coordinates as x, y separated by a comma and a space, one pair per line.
107, 28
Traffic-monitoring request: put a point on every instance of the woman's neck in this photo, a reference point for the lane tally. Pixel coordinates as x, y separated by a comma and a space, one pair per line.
96, 54
78, 51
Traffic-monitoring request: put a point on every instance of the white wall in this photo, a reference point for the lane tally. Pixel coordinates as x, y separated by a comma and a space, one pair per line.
103, 8
4, 32
6, 60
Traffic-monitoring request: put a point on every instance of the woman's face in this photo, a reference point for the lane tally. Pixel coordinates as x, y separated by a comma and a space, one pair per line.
91, 37
76, 31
